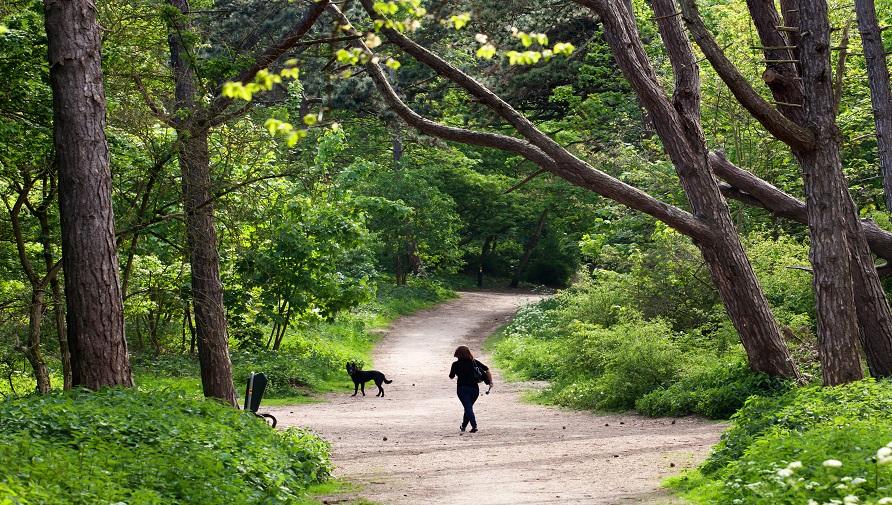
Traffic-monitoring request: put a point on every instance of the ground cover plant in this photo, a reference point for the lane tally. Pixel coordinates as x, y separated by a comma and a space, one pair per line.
128, 446
810, 446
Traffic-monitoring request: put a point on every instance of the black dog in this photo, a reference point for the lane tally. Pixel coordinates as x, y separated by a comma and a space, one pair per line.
360, 377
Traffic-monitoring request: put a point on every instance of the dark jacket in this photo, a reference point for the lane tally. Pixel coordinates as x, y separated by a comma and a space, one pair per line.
464, 370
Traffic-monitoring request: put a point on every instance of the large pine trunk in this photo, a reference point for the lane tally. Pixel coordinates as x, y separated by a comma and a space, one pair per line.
90, 259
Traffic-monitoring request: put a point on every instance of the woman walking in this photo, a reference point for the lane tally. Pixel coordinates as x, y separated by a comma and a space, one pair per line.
467, 387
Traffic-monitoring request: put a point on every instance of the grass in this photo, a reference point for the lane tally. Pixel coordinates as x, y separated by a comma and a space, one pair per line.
335, 491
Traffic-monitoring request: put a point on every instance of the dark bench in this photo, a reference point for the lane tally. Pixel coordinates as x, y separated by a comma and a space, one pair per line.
256, 387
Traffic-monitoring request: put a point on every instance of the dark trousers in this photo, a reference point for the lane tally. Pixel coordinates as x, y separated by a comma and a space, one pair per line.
467, 395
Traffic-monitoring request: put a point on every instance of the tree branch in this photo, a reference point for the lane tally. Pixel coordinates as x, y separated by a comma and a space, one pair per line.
273, 53
773, 121
751, 190
538, 148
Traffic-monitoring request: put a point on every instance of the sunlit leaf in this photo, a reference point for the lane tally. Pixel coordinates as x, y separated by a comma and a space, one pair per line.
486, 51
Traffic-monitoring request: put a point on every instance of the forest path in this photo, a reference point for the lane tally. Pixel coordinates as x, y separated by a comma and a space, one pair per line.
406, 448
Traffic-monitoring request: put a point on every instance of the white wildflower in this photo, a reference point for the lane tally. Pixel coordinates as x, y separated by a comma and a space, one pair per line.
833, 463
795, 464
858, 480
851, 499
785, 472
885, 501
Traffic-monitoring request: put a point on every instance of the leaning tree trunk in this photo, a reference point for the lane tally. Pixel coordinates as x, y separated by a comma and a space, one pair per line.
90, 259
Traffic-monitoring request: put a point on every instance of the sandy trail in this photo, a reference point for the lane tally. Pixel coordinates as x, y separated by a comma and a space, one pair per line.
406, 448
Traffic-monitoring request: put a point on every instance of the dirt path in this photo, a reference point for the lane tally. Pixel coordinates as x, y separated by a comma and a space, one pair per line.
406, 448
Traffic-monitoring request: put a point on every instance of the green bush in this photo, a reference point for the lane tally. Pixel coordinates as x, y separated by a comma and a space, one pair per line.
615, 366
716, 392
127, 446
527, 347
798, 412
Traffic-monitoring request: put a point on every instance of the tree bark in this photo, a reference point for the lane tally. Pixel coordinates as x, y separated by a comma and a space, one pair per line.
90, 259
781, 74
831, 211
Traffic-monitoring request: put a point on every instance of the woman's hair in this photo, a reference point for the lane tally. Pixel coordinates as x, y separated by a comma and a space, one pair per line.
463, 352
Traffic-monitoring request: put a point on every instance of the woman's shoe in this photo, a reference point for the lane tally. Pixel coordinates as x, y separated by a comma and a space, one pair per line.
462, 428
473, 430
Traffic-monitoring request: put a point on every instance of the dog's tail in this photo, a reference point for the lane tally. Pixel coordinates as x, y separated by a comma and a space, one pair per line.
387, 381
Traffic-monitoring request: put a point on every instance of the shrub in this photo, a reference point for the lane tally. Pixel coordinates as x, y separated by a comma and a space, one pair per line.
116, 446
527, 348
617, 365
798, 412
716, 392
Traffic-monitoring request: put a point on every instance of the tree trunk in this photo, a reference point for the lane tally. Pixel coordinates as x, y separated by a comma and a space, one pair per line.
484, 250
207, 289
95, 310
831, 211
49, 261
201, 233
880, 94
528, 249
32, 349
59, 319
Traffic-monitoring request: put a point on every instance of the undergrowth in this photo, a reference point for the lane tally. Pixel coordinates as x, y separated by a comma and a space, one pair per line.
127, 446
810, 446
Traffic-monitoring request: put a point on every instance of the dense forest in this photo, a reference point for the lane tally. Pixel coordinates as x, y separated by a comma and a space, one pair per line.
193, 189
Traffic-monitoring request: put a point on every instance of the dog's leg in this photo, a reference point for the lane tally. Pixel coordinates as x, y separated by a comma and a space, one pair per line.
362, 388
